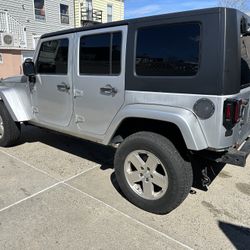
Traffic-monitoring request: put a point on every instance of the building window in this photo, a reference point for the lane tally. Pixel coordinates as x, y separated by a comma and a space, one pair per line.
1, 58
53, 57
101, 54
109, 13
39, 10
168, 50
64, 11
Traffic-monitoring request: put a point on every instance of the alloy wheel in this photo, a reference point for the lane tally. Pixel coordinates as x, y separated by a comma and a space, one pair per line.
146, 174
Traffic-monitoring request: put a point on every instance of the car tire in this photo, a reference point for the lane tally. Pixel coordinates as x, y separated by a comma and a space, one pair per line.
151, 191
9, 130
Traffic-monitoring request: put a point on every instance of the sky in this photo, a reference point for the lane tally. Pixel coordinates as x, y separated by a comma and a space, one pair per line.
139, 8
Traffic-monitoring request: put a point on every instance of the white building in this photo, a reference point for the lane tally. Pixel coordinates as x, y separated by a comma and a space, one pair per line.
22, 22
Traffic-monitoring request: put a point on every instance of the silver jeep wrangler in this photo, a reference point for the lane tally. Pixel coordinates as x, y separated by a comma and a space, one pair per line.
160, 89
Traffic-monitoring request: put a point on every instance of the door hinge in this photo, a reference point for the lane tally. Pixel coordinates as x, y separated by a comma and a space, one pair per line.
78, 93
35, 110
79, 119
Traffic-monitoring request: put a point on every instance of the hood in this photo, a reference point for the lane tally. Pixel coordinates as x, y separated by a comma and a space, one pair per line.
10, 81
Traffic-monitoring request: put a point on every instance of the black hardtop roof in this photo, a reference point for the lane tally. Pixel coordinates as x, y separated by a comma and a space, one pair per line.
136, 20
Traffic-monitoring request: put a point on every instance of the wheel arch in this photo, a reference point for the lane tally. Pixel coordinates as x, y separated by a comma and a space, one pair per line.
159, 119
17, 103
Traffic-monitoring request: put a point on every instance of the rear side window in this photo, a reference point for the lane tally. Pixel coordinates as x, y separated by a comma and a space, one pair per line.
53, 57
101, 54
245, 61
168, 50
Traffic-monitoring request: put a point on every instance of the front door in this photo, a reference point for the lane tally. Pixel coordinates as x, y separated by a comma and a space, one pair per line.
52, 92
99, 78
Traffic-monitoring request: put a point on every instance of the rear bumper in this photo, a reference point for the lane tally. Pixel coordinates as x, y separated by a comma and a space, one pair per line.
232, 156
236, 157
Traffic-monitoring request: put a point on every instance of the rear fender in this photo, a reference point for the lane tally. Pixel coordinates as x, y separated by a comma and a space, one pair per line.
184, 119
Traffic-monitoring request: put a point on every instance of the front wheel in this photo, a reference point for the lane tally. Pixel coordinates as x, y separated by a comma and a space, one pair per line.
151, 173
9, 129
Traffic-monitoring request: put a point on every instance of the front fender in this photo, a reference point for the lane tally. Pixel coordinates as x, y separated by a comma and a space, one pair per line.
184, 119
17, 101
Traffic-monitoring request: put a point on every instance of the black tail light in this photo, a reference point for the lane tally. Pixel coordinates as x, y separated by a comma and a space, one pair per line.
232, 113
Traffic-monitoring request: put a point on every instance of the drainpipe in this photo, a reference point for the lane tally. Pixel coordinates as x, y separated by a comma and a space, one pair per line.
25, 37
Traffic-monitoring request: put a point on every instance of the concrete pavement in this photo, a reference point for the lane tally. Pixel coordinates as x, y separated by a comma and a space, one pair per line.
58, 192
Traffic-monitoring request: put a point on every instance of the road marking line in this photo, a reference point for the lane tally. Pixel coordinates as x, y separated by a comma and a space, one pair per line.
88, 195
44, 190
29, 197
83, 172
27, 164
44, 172
129, 217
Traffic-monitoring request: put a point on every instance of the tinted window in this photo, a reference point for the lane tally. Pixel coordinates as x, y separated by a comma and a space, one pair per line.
116, 53
53, 57
168, 50
245, 61
100, 54
95, 54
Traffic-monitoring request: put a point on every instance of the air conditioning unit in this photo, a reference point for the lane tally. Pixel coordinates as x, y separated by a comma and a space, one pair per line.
7, 39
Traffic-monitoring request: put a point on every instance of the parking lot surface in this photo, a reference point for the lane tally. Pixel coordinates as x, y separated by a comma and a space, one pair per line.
59, 192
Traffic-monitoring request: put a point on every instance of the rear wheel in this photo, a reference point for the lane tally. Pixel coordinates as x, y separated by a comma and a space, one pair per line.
151, 173
9, 130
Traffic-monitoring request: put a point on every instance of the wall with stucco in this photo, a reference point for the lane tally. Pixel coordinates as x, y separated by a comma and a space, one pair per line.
11, 63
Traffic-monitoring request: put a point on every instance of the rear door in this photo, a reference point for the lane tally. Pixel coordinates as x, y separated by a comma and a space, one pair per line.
52, 97
99, 80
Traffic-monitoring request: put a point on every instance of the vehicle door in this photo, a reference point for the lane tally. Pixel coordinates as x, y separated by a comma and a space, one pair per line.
52, 93
100, 78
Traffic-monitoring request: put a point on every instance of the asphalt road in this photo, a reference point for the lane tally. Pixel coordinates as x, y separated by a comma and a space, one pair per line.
58, 192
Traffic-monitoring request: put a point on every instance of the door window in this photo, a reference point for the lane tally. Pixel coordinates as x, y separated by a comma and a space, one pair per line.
101, 54
116, 53
53, 57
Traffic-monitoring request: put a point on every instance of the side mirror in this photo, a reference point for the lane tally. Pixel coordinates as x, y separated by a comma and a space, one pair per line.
29, 67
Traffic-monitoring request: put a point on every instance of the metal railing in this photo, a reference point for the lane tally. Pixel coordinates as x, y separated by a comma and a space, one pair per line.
90, 15
13, 28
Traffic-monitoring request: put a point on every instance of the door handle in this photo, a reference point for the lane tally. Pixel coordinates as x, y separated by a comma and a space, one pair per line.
63, 87
108, 90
